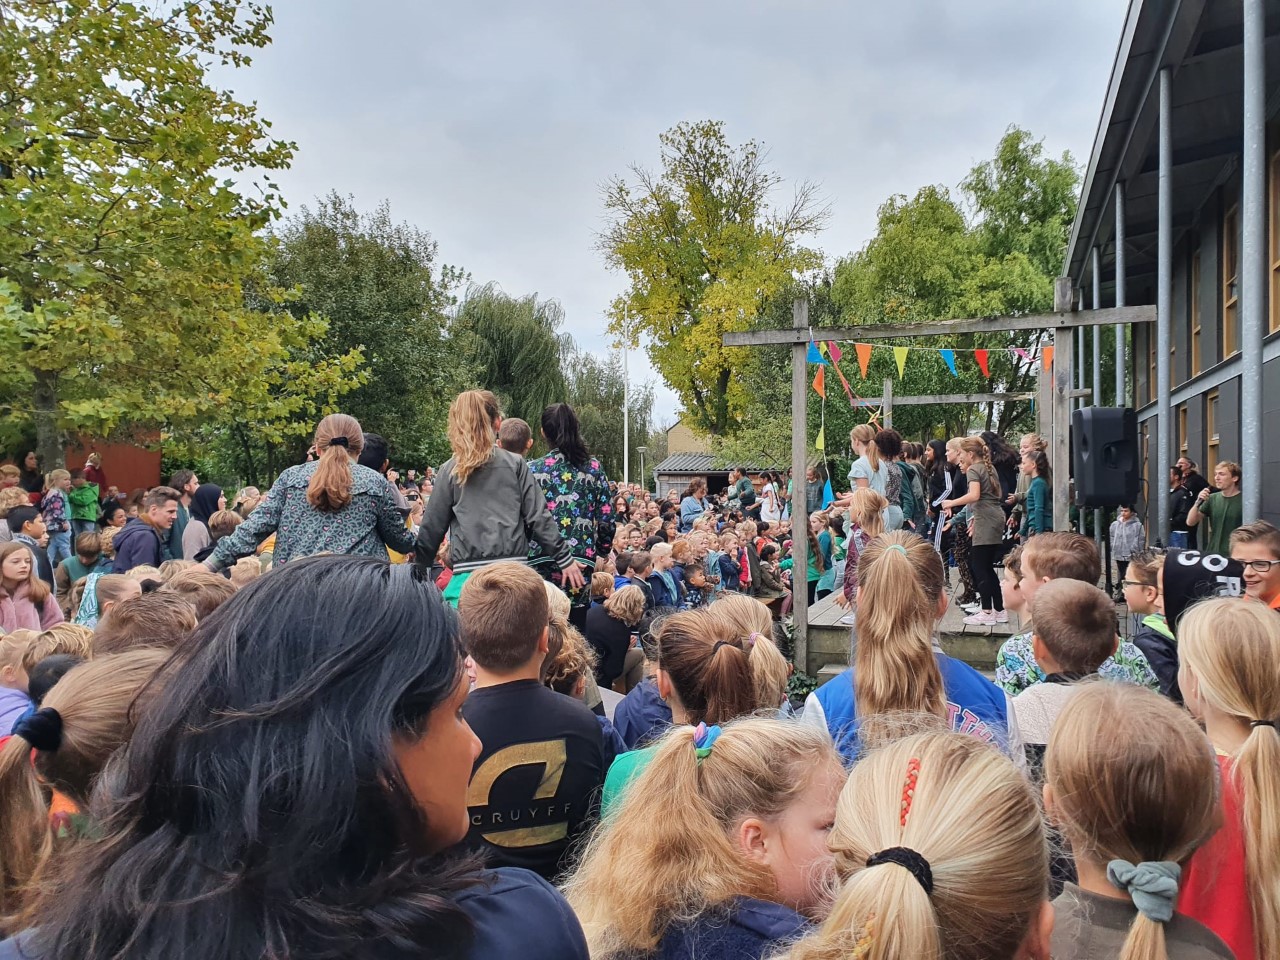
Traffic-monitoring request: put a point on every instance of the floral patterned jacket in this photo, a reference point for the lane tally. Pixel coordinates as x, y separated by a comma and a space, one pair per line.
1016, 667
579, 500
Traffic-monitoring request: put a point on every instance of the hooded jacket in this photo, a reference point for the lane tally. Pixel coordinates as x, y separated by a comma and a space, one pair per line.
744, 929
137, 544
489, 518
18, 612
196, 536
1154, 638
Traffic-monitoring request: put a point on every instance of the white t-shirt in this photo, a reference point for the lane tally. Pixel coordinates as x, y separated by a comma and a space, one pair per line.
770, 504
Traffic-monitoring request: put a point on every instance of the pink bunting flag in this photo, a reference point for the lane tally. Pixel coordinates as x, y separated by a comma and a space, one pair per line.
1022, 353
834, 351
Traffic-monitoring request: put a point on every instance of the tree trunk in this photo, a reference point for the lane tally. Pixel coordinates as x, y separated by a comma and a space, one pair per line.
51, 445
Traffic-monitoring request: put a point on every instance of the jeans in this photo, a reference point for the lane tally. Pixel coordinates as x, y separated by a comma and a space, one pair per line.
59, 547
81, 526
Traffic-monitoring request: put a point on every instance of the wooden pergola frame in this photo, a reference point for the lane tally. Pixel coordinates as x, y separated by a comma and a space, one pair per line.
1055, 393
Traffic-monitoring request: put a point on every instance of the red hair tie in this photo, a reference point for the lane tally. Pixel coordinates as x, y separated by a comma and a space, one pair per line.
909, 789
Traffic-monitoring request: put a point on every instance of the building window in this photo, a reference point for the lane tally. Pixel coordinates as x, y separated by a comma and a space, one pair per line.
1230, 280
1182, 432
1196, 355
1273, 178
1211, 431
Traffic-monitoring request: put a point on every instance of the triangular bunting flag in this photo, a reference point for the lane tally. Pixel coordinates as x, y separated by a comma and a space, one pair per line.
981, 357
864, 356
1022, 353
820, 382
900, 355
949, 358
844, 383
1046, 357
834, 352
821, 442
828, 495
815, 355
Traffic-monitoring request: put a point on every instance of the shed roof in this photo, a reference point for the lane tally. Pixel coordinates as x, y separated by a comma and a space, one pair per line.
698, 463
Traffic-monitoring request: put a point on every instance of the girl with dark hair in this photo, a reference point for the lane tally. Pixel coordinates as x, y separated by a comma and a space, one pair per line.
208, 500
293, 793
32, 480
1006, 462
577, 494
329, 505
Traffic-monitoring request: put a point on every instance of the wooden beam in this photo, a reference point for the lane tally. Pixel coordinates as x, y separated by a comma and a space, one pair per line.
799, 499
1060, 442
942, 328
888, 403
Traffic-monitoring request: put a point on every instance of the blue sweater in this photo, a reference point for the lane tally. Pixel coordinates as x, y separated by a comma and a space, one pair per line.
747, 930
516, 914
641, 715
975, 705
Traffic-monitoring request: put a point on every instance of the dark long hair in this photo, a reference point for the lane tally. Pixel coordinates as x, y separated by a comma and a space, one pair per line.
1003, 456
939, 448
560, 427
259, 810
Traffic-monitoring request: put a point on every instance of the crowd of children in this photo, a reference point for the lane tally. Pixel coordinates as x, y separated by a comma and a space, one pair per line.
584, 747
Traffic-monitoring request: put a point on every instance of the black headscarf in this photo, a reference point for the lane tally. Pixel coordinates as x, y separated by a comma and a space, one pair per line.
205, 502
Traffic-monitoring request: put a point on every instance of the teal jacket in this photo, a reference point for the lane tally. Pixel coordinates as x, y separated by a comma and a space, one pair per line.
1038, 517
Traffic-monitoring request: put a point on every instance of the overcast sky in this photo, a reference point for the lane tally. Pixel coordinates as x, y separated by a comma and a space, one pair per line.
493, 124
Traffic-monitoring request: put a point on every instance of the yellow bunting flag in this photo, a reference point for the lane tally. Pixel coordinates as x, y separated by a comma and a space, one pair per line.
900, 354
821, 442
864, 356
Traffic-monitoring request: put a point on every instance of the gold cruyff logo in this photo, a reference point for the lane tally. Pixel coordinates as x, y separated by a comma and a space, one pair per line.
552, 755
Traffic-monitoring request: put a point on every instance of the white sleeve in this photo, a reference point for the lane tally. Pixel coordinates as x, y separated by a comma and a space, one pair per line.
1016, 748
814, 715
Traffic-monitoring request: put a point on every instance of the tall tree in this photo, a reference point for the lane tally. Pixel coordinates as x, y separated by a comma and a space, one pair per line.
704, 250
597, 391
381, 286
514, 347
124, 247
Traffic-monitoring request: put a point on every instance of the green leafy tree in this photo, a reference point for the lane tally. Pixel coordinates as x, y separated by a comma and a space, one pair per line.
704, 250
514, 347
381, 287
596, 389
125, 247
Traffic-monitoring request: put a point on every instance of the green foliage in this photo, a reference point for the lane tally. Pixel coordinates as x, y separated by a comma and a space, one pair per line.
125, 249
703, 251
596, 390
514, 347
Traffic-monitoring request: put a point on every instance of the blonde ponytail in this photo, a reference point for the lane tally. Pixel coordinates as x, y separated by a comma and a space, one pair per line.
1232, 647
338, 439
471, 431
900, 581
1132, 778
973, 820
667, 855
751, 622
866, 433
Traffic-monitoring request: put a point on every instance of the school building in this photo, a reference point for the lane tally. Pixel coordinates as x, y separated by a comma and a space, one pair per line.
1180, 208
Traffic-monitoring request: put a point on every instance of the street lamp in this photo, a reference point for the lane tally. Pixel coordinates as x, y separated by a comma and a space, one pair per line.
642, 451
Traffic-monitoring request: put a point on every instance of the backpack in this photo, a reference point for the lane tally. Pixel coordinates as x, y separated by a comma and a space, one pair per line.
911, 495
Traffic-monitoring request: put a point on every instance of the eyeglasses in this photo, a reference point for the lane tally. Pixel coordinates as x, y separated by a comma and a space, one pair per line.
1135, 583
1260, 566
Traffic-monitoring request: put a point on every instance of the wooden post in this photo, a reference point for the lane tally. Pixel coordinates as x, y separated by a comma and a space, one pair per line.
799, 500
887, 403
1060, 445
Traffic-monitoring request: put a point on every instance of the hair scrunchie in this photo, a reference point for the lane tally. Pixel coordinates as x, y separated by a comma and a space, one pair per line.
911, 861
1152, 885
42, 729
339, 442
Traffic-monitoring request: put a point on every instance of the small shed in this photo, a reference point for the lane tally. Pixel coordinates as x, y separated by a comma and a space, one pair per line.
675, 472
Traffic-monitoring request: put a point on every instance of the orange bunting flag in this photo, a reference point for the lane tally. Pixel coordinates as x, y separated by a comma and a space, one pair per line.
820, 382
981, 357
864, 356
900, 354
1046, 357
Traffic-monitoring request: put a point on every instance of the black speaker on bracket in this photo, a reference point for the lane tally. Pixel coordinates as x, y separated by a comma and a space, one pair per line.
1104, 456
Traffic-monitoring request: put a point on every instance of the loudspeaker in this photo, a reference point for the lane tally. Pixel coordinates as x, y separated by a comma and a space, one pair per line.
1104, 456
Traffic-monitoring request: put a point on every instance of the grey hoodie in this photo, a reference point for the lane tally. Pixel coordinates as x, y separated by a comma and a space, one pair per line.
489, 518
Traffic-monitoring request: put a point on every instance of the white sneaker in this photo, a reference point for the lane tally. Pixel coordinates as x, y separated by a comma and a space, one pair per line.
849, 619
983, 618
1002, 616
970, 607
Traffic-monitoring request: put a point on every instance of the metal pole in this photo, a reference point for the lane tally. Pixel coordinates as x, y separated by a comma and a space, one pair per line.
1122, 398
1253, 297
626, 409
1164, 306
799, 516
1097, 378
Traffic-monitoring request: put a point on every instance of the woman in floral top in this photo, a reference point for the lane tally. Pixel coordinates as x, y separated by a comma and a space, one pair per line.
577, 493
332, 505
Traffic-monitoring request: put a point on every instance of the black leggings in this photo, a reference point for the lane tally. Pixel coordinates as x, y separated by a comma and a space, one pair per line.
982, 563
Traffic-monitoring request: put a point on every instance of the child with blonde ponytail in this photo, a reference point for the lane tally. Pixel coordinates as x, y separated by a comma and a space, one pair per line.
719, 850
751, 620
940, 849
1131, 782
898, 676
487, 501
1229, 674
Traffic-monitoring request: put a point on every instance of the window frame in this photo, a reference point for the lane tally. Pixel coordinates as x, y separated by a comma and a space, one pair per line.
1273, 241
1213, 441
1197, 353
1230, 281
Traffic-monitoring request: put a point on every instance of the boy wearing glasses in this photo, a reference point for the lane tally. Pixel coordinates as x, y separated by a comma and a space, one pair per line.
1257, 546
